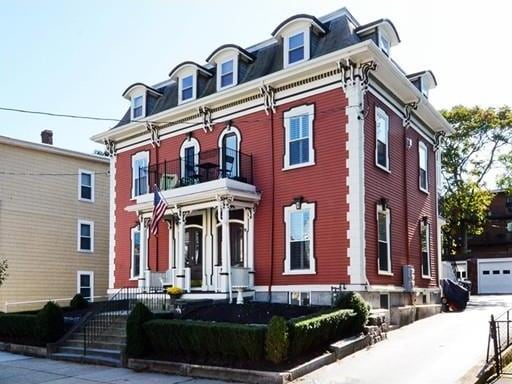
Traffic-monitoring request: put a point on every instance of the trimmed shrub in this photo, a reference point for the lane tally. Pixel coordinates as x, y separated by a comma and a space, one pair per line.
276, 341
315, 331
355, 302
78, 302
18, 328
137, 344
210, 340
49, 323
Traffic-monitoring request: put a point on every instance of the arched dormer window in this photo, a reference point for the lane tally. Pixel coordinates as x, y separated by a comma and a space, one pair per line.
187, 75
424, 81
382, 32
229, 152
139, 95
189, 155
296, 34
229, 59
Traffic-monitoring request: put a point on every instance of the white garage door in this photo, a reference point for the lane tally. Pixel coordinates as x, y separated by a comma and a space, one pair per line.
495, 276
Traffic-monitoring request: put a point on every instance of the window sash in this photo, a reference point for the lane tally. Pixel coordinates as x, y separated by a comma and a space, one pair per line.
425, 249
140, 176
187, 87
382, 139
423, 162
296, 48
137, 106
299, 240
298, 143
135, 270
383, 237
85, 237
86, 186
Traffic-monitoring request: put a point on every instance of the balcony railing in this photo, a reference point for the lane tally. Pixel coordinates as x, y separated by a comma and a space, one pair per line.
199, 168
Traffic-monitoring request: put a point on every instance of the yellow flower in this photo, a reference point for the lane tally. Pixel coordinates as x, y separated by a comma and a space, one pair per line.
175, 291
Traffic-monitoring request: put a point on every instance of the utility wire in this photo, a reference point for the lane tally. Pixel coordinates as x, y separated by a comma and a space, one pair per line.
2, 173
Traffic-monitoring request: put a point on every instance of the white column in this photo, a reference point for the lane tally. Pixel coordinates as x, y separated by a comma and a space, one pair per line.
250, 245
171, 245
207, 249
143, 252
180, 257
112, 223
226, 251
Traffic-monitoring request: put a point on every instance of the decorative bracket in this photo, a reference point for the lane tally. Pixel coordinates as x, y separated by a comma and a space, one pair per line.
153, 131
364, 75
409, 107
110, 147
269, 98
351, 72
206, 115
439, 136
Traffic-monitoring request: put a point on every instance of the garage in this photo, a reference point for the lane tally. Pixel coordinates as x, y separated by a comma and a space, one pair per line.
494, 275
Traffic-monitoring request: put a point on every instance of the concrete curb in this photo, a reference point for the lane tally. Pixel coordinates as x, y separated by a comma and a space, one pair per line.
338, 351
28, 350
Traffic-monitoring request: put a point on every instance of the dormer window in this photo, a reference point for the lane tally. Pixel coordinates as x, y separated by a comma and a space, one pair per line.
296, 48
382, 32
230, 60
187, 88
137, 107
384, 43
189, 77
226, 74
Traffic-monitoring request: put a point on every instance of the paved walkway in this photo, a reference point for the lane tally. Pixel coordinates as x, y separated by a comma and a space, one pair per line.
444, 349
17, 369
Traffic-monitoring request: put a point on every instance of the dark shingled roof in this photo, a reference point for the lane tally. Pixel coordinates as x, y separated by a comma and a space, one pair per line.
234, 46
267, 60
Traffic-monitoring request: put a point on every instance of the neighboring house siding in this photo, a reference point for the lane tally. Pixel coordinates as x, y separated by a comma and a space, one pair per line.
390, 185
323, 184
38, 225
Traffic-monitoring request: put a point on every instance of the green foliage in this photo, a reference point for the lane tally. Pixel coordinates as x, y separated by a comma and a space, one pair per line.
276, 340
316, 331
355, 302
18, 328
50, 323
3, 271
78, 302
137, 344
210, 340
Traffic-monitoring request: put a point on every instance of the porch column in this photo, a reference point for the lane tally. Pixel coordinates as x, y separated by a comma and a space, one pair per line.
143, 254
170, 264
208, 251
250, 244
225, 273
180, 257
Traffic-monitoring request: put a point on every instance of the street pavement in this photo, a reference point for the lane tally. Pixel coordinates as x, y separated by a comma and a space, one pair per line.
444, 349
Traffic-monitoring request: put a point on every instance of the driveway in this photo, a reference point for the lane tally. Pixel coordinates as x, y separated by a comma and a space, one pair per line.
443, 349
17, 369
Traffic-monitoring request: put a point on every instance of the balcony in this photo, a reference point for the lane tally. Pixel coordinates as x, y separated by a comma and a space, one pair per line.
196, 169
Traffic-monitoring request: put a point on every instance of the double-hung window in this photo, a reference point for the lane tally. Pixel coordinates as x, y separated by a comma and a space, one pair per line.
383, 240
85, 236
423, 169
296, 45
140, 163
226, 74
85, 284
85, 185
187, 88
298, 124
138, 107
299, 239
135, 262
425, 248
382, 139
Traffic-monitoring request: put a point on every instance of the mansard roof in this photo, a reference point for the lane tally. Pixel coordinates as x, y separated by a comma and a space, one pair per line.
317, 24
241, 51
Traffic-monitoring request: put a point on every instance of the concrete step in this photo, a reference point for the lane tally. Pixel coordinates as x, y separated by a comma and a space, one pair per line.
95, 352
87, 359
109, 332
99, 344
79, 338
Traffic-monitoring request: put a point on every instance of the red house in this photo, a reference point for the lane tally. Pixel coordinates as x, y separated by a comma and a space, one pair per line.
303, 162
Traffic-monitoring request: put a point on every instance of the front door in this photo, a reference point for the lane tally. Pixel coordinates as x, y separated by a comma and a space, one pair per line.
194, 250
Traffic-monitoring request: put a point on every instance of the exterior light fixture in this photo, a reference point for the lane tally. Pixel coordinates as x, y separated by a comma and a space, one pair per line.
384, 204
298, 202
424, 220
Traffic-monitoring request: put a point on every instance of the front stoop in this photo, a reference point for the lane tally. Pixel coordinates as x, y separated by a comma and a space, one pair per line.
107, 350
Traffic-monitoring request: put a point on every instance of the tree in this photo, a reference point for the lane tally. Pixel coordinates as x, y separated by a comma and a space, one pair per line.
477, 150
3, 271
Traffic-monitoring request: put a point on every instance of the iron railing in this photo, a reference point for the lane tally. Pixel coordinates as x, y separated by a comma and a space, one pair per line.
205, 166
500, 334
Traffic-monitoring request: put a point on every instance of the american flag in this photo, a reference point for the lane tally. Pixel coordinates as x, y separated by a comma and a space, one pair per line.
159, 207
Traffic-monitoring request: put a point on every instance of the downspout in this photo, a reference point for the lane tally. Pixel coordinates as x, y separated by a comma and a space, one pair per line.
157, 235
272, 222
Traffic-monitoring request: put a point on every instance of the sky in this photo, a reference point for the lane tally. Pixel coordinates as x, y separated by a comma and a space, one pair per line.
77, 57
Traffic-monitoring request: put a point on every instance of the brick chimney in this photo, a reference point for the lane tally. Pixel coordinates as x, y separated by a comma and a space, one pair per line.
47, 137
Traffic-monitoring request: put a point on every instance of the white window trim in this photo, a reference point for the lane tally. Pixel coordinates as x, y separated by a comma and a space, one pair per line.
312, 262
139, 156
132, 106
91, 276
189, 143
226, 131
235, 73
429, 275
300, 302
381, 113
91, 173
286, 44
294, 112
422, 145
387, 212
180, 86
78, 247
383, 36
132, 249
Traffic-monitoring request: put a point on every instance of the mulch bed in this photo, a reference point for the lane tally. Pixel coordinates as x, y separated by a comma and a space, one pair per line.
250, 313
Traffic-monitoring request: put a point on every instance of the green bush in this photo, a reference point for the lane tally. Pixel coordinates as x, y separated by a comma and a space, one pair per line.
194, 338
318, 330
276, 341
78, 302
18, 328
137, 344
355, 302
49, 323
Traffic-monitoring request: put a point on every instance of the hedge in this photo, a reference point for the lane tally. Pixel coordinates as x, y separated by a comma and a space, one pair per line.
195, 338
355, 302
18, 328
137, 344
314, 331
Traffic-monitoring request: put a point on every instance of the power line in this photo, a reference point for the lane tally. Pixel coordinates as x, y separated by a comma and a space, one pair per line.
2, 173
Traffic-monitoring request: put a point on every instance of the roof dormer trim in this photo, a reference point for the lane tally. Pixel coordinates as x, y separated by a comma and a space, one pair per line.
235, 49
317, 26
427, 81
189, 65
138, 88
383, 25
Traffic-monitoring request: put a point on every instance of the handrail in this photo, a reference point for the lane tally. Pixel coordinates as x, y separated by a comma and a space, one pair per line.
52, 347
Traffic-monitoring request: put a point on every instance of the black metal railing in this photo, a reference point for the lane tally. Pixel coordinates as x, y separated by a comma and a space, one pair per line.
205, 166
119, 306
499, 340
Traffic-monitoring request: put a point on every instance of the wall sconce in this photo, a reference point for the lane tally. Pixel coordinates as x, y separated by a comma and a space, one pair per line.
298, 202
384, 204
424, 220
188, 135
229, 124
